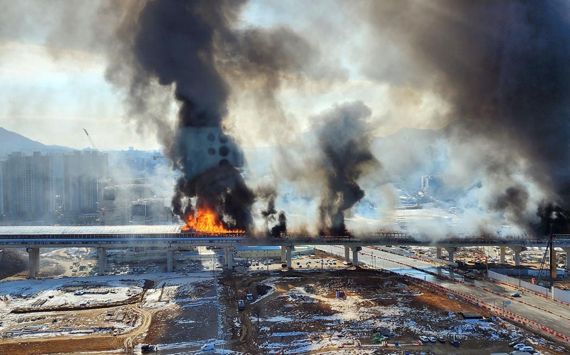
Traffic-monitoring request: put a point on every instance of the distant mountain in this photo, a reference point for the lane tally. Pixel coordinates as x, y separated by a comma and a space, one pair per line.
14, 142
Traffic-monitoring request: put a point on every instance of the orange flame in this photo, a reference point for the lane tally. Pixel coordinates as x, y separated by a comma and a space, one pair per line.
206, 221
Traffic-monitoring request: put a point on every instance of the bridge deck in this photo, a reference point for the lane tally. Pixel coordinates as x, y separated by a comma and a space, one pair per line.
171, 236
89, 230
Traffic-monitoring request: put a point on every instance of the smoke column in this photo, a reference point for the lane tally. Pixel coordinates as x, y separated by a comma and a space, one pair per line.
344, 140
193, 47
330, 160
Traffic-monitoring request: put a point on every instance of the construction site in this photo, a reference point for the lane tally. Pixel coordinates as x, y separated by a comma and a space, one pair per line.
321, 305
361, 311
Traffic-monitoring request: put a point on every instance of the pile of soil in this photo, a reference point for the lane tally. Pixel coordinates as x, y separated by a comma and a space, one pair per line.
12, 263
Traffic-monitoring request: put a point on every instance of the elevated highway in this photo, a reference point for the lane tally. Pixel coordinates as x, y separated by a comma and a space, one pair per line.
166, 235
171, 238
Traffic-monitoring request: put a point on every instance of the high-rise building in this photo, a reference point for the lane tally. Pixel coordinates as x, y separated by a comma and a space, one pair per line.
26, 187
57, 185
84, 174
150, 211
56, 188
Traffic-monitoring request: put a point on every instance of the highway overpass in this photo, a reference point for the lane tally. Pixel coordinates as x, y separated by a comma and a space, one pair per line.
170, 238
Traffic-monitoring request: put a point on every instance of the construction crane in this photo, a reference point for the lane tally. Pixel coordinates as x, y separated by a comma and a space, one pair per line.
90, 140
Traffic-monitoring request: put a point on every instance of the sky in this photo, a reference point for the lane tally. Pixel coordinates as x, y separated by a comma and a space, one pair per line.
51, 98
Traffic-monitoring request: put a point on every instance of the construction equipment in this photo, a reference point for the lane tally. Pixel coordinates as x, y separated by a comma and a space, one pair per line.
90, 140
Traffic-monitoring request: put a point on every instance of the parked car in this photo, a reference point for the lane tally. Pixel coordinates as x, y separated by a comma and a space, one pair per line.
208, 347
527, 349
424, 339
519, 346
515, 294
241, 305
249, 297
148, 348
454, 340
432, 339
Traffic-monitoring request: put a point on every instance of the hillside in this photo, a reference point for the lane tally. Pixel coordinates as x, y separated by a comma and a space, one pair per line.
14, 142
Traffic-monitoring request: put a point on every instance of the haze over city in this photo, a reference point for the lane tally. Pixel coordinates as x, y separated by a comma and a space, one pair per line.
177, 169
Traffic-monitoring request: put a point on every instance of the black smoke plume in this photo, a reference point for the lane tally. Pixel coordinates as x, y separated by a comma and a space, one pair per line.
175, 43
344, 141
275, 221
190, 46
503, 67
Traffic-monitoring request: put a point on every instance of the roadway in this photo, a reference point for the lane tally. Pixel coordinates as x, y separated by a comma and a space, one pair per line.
544, 311
170, 236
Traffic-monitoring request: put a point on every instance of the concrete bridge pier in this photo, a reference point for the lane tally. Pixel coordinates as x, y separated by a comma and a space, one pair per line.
33, 262
451, 253
289, 256
502, 255
101, 260
355, 251
169, 260
567, 250
347, 254
438, 252
229, 258
283, 254
517, 255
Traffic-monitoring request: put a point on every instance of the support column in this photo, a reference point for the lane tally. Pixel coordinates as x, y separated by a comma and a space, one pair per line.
553, 265
169, 260
283, 254
33, 262
289, 256
347, 254
355, 251
502, 254
451, 253
517, 255
567, 250
228, 258
101, 260
438, 252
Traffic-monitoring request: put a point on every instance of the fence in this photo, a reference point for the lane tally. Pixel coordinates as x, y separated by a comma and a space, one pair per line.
556, 294
528, 272
497, 311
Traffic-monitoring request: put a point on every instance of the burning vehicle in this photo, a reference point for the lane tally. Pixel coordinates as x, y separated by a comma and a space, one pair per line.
206, 221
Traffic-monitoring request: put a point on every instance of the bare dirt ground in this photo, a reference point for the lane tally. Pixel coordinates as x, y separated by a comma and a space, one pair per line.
299, 312
293, 311
191, 322
179, 311
78, 318
76, 344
